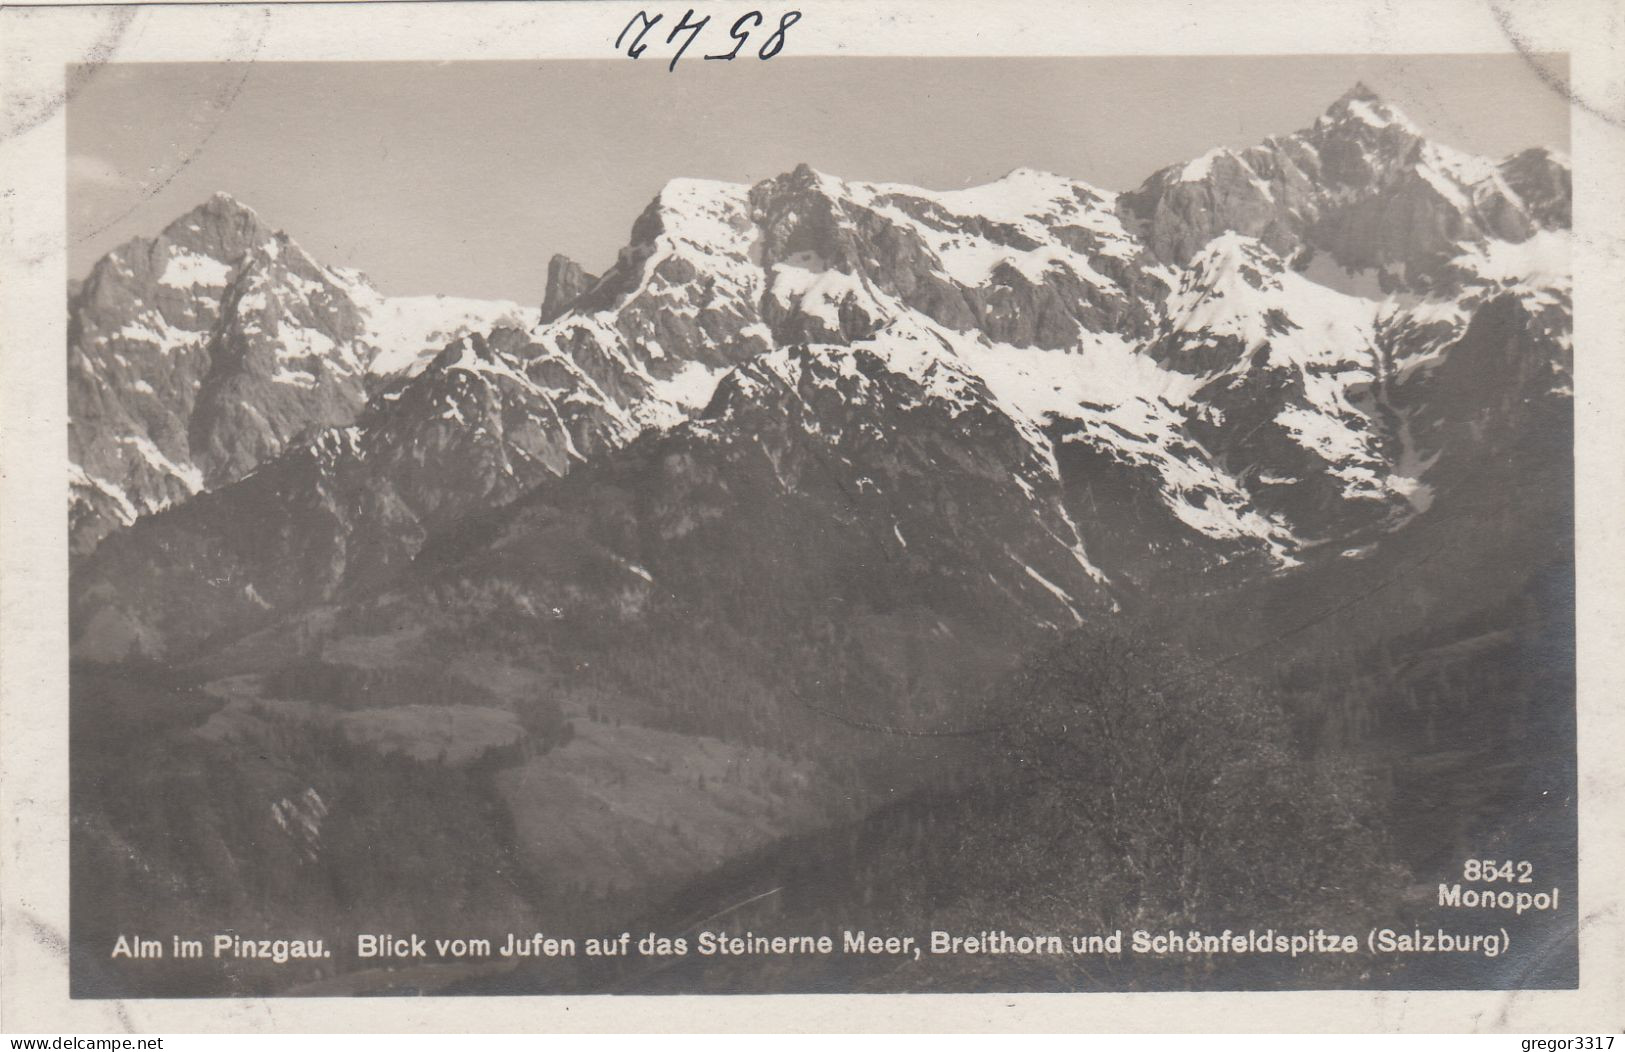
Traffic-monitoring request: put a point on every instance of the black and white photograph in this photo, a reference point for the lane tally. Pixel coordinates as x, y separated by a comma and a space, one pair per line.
716, 519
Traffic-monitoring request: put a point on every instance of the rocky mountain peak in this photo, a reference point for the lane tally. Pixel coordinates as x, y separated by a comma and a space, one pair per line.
802, 176
1363, 141
1363, 185
1031, 175
1361, 92
221, 228
1361, 105
801, 215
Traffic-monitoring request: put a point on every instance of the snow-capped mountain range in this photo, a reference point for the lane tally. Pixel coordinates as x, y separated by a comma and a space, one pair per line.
199, 354
1034, 396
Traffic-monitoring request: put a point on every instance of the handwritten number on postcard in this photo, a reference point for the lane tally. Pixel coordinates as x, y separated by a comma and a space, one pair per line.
741, 37
775, 42
740, 33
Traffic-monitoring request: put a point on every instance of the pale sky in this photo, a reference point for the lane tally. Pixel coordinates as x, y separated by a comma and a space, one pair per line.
465, 177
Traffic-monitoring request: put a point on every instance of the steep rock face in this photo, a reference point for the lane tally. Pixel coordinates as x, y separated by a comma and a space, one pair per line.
1361, 184
278, 363
1544, 182
1477, 376
1040, 259
566, 281
145, 334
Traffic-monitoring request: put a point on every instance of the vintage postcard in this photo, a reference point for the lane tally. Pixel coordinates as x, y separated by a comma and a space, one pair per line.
520, 503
